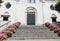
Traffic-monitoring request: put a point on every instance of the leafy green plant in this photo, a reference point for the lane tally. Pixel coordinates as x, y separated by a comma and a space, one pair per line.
57, 6
1, 2
9, 34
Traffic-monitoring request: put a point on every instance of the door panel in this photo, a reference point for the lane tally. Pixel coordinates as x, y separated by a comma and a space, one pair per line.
30, 19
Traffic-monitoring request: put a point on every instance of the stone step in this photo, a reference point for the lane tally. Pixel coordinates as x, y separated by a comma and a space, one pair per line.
34, 32
37, 40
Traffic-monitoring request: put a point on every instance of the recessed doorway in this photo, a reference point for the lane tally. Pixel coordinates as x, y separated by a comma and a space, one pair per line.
31, 17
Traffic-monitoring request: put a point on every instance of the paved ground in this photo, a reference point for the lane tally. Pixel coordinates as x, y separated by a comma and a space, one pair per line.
37, 40
33, 32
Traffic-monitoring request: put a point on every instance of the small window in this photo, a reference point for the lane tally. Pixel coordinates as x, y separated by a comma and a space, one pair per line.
52, 7
8, 5
31, 1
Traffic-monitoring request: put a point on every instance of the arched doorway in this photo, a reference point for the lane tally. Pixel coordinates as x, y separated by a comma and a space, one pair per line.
31, 12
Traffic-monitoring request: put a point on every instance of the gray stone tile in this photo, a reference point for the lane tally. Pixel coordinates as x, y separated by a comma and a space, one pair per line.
33, 32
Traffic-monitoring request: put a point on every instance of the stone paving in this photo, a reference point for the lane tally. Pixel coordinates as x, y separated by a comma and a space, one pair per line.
37, 40
33, 33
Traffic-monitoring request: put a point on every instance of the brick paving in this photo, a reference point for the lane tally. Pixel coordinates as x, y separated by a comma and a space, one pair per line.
33, 32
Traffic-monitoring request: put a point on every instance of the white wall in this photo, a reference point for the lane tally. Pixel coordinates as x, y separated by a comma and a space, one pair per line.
18, 11
22, 15
48, 12
10, 10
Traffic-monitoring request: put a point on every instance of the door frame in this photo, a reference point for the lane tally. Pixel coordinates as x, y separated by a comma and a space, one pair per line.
31, 9
34, 18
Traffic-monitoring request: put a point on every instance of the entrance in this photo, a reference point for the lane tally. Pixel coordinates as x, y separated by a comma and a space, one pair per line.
31, 13
30, 19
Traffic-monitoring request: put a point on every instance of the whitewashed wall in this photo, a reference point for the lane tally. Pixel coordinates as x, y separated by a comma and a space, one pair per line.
22, 15
18, 11
48, 12
10, 10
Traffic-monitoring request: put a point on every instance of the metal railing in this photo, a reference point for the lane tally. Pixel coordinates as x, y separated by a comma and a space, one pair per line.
4, 25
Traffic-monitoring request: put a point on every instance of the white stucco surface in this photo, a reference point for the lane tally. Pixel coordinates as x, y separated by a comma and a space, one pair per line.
18, 11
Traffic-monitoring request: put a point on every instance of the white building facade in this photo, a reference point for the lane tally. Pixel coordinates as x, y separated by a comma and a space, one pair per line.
30, 12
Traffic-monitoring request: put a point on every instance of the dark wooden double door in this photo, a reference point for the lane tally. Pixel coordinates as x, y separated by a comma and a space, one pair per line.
30, 19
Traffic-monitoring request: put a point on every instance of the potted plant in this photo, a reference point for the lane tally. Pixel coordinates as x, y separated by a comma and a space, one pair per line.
17, 24
3, 36
12, 26
8, 33
12, 29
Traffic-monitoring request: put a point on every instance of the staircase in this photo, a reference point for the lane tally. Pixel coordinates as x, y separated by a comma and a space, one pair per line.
33, 32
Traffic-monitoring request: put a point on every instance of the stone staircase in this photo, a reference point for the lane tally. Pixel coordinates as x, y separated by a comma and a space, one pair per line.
33, 32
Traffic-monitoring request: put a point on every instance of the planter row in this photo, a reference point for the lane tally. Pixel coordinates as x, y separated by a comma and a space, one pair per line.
11, 29
53, 27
